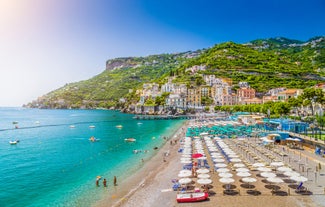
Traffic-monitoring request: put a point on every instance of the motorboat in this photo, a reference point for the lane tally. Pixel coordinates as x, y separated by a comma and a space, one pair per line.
130, 140
119, 126
13, 142
93, 139
72, 126
191, 197
91, 126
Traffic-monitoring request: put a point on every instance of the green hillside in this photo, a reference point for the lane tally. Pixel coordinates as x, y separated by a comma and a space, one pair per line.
265, 64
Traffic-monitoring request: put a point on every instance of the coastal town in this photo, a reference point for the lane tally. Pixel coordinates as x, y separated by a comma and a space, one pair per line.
215, 92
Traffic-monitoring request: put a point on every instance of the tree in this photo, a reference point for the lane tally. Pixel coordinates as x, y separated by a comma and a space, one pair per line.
313, 95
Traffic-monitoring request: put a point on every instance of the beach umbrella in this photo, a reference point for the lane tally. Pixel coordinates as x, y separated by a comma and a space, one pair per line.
299, 178
258, 164
284, 169
202, 171
223, 170
243, 174
197, 155
268, 174
220, 165
185, 181
204, 181
233, 156
291, 173
227, 181
225, 175
186, 156
276, 164
217, 156
264, 169
239, 165
186, 161
185, 173
218, 160
202, 176
242, 169
249, 180
235, 160
274, 180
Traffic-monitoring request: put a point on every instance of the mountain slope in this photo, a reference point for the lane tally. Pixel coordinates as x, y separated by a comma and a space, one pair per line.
265, 64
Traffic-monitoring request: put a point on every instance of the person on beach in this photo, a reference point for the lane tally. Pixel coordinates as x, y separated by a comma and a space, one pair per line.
115, 181
97, 182
104, 182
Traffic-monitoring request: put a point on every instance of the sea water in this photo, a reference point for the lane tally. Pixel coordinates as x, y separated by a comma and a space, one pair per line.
55, 164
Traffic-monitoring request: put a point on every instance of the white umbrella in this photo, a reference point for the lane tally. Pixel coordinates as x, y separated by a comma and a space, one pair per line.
218, 160
202, 171
220, 165
284, 169
291, 173
258, 164
242, 169
185, 174
268, 174
185, 180
239, 165
226, 180
204, 181
223, 170
203, 176
233, 156
235, 160
202, 158
277, 164
225, 175
274, 180
243, 174
249, 180
217, 156
299, 178
264, 169
186, 161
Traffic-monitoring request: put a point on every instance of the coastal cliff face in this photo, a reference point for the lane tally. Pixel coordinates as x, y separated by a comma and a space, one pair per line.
120, 63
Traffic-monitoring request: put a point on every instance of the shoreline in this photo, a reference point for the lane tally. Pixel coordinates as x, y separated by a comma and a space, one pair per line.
120, 195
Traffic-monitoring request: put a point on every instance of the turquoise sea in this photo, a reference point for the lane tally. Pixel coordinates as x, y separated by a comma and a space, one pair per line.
55, 165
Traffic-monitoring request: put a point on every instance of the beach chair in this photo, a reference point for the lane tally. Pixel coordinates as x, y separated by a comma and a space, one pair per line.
299, 188
176, 186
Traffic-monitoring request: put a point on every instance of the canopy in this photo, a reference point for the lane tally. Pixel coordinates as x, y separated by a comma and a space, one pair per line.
204, 181
197, 155
243, 174
268, 174
223, 170
249, 180
203, 176
203, 171
225, 175
299, 178
226, 180
185, 180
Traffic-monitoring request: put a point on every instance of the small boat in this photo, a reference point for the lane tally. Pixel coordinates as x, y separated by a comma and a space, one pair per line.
119, 126
13, 142
93, 139
91, 126
191, 197
130, 140
72, 126
139, 123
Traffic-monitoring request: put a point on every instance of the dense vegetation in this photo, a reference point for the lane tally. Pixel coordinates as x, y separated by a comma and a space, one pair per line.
264, 64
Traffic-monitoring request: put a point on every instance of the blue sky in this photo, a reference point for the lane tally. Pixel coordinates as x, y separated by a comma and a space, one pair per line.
47, 43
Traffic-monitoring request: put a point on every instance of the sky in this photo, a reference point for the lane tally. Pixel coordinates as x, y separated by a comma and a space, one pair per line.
45, 44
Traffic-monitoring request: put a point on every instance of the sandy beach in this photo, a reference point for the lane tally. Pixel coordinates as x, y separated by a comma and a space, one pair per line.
152, 186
